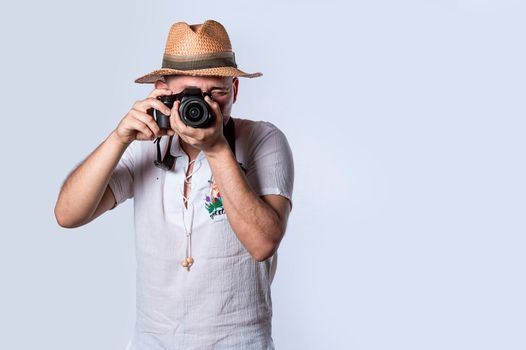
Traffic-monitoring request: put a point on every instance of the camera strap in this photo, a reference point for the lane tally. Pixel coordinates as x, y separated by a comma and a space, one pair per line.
230, 134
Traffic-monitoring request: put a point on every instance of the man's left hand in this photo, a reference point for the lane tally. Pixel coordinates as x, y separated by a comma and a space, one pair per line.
205, 139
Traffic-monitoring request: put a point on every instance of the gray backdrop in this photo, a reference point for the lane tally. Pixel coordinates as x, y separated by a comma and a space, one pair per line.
406, 119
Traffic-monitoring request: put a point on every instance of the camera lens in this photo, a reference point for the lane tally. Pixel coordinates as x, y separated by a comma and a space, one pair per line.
195, 112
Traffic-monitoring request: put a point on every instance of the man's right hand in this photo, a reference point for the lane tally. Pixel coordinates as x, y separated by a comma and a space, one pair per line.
139, 125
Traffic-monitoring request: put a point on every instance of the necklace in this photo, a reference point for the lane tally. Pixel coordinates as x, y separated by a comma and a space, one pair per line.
189, 260
230, 135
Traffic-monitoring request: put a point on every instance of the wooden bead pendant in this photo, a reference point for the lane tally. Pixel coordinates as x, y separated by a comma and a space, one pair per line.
187, 262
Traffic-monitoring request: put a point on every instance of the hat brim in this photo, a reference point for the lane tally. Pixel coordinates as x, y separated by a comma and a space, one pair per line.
218, 71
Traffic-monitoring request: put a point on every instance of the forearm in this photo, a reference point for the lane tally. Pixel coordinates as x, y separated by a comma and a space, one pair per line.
83, 188
255, 223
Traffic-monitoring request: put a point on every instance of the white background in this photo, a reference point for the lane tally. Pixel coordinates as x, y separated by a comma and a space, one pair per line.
406, 120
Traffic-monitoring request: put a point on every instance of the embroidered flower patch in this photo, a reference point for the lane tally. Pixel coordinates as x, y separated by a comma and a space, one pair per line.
214, 204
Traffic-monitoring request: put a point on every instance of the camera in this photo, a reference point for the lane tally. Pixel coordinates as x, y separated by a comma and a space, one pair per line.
193, 109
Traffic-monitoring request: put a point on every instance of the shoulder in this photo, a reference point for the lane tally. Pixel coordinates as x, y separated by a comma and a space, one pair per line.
258, 125
141, 152
256, 131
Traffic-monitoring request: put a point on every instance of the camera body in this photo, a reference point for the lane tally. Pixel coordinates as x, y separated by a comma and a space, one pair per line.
193, 109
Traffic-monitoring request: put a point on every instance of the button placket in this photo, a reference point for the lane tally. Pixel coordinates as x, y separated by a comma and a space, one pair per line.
195, 179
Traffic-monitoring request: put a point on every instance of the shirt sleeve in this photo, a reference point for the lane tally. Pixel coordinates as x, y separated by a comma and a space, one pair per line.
121, 180
271, 166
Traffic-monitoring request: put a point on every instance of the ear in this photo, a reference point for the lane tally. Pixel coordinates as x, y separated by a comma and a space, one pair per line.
159, 84
235, 86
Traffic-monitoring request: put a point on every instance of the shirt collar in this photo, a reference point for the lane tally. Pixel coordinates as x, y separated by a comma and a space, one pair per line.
177, 151
175, 147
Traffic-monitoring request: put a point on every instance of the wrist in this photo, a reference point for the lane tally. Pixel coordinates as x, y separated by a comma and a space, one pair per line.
114, 139
217, 148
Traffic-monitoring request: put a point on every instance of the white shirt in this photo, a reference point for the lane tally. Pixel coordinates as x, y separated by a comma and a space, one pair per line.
224, 301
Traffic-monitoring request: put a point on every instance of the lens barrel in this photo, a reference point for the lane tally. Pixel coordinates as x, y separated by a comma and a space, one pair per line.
194, 112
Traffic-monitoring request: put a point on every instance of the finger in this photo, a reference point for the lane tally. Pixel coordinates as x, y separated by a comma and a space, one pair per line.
144, 105
216, 109
177, 124
160, 92
143, 131
165, 132
148, 120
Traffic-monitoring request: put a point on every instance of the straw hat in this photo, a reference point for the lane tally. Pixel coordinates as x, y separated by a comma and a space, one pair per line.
197, 50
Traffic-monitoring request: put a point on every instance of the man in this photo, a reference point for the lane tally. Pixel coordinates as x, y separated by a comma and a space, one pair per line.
209, 217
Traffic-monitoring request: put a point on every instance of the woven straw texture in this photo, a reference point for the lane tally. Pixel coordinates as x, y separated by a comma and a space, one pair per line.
197, 39
185, 41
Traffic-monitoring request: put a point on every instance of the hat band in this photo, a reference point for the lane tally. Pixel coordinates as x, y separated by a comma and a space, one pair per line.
212, 60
